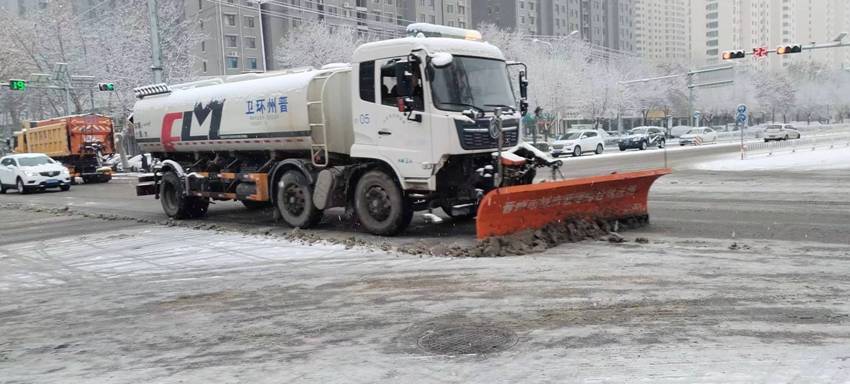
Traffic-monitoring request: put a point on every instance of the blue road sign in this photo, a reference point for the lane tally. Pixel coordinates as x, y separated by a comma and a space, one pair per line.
742, 118
742, 109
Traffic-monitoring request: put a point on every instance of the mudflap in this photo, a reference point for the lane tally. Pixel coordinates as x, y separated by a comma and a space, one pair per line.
619, 196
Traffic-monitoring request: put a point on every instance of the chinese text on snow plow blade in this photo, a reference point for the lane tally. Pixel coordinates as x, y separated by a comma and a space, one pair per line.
621, 196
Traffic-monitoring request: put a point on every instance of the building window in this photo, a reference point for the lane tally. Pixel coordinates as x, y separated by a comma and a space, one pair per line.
251, 63
251, 42
202, 25
376, 15
367, 81
249, 21
432, 19
232, 62
230, 20
204, 66
531, 6
461, 9
201, 6
230, 41
450, 9
203, 46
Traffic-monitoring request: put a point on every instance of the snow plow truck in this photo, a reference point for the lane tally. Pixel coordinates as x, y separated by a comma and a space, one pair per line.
411, 124
79, 142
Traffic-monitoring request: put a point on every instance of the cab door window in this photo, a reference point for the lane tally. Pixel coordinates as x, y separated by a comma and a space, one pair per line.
389, 86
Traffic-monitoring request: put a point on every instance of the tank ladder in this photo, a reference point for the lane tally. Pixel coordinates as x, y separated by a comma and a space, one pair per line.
318, 120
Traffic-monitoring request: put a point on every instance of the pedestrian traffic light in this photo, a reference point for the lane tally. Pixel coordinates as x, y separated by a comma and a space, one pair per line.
731, 55
18, 85
106, 86
786, 49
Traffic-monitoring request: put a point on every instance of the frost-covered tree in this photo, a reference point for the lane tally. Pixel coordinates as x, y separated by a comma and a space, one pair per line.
317, 43
110, 43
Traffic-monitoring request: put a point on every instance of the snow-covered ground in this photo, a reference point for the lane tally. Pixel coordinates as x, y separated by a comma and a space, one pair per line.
123, 303
798, 161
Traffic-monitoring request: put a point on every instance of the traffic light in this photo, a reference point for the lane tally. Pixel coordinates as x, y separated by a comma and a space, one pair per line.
786, 49
731, 55
106, 87
18, 85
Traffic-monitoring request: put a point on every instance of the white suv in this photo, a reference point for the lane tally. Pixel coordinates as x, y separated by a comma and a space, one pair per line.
578, 142
32, 171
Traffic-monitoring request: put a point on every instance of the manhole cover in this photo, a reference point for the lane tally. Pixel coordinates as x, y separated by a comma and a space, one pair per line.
467, 340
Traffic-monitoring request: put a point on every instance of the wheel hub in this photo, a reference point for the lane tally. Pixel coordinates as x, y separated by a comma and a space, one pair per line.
378, 203
294, 198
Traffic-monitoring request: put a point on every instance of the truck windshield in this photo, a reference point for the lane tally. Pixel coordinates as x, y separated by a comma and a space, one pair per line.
472, 81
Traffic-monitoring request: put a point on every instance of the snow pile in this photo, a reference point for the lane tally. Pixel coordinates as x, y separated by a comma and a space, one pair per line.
789, 161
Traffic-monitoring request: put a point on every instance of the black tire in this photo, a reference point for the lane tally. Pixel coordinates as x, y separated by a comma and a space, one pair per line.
2, 189
622, 149
786, 137
662, 144
175, 204
577, 151
643, 145
65, 188
766, 140
294, 201
21, 188
255, 205
599, 149
380, 204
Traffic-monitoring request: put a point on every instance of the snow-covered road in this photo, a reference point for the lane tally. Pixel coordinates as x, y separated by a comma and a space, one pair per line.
115, 303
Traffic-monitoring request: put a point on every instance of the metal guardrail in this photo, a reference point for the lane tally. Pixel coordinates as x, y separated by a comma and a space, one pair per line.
804, 144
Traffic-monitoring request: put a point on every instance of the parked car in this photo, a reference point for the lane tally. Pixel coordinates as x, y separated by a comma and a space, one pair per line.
643, 138
32, 171
780, 132
578, 142
680, 130
698, 136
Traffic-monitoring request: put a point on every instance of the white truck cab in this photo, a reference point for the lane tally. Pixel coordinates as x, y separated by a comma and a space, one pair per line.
453, 88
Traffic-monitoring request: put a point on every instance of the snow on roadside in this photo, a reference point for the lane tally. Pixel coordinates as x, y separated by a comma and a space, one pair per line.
831, 159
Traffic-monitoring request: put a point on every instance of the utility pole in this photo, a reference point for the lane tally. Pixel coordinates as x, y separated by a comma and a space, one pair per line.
156, 50
262, 35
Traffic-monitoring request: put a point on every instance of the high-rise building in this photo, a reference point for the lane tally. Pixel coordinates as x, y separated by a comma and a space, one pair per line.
454, 13
232, 26
661, 29
720, 25
602, 22
232, 32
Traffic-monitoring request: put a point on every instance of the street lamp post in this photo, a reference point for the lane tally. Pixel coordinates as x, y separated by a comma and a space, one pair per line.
262, 36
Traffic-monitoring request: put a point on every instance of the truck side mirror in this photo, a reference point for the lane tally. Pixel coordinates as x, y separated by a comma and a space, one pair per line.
523, 85
404, 78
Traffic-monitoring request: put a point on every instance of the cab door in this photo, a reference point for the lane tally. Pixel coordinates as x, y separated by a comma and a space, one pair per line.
382, 131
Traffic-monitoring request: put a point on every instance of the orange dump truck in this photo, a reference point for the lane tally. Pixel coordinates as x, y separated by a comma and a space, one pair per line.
78, 141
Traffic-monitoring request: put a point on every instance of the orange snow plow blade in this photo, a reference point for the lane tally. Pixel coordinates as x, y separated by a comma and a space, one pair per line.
620, 196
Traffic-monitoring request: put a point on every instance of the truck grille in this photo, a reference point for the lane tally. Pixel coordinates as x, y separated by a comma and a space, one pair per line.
50, 174
477, 136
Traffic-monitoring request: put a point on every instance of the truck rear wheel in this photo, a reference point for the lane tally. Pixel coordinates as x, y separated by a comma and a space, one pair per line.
380, 205
175, 204
295, 201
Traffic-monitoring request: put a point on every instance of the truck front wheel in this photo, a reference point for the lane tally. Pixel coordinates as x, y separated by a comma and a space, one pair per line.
175, 204
380, 205
295, 201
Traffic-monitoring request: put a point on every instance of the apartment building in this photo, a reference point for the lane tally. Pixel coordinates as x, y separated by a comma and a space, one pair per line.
720, 25
662, 30
606, 23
